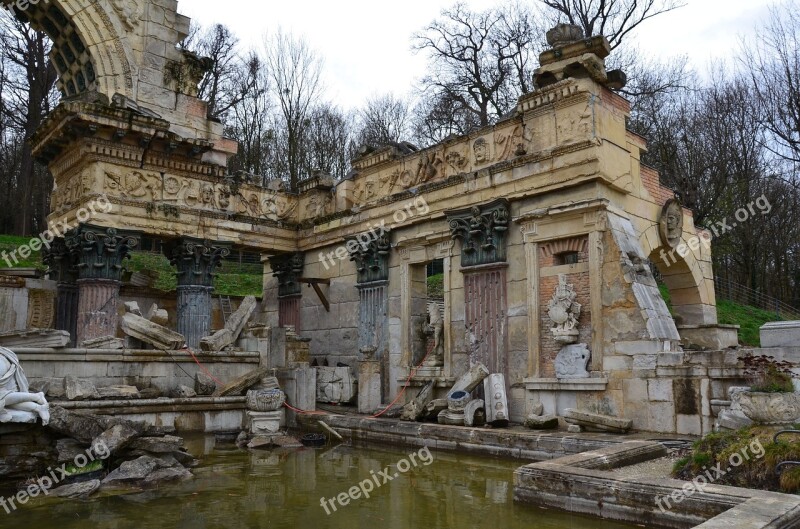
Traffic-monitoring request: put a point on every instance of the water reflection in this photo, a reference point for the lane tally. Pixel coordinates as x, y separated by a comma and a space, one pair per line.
282, 489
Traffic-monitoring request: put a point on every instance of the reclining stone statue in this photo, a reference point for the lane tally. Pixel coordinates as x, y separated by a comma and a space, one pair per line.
17, 404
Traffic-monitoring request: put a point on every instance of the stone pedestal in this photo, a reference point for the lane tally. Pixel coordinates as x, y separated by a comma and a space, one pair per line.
97, 309
194, 313
369, 386
13, 303
266, 423
67, 309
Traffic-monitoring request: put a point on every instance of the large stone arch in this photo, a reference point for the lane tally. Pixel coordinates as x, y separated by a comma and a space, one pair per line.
89, 43
690, 285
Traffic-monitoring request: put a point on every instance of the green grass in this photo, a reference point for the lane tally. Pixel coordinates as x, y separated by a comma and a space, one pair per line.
750, 319
232, 279
10, 244
436, 287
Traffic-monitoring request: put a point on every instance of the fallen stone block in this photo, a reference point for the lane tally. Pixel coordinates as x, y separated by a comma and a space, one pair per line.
69, 449
733, 420
434, 408
414, 410
119, 393
157, 315
85, 427
238, 386
132, 307
335, 385
106, 342
116, 438
593, 421
185, 392
35, 338
475, 413
471, 379
204, 385
542, 422
158, 445
235, 326
79, 389
148, 332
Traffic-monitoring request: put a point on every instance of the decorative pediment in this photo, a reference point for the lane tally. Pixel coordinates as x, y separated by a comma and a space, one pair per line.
482, 231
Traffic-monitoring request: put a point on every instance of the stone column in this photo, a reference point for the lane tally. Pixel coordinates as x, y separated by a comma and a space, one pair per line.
371, 256
288, 269
196, 261
62, 268
482, 231
99, 254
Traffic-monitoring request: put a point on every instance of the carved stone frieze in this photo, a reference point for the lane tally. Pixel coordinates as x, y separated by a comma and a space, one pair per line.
482, 231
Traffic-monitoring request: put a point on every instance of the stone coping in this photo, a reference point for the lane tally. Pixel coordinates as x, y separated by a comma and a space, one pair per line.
564, 384
139, 406
577, 484
514, 443
131, 355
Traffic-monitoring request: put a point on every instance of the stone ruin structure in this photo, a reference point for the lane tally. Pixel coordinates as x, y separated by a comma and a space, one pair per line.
545, 226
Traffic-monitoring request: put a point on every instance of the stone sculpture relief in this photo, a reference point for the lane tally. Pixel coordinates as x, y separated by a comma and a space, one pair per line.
481, 150
136, 184
670, 227
436, 329
457, 160
17, 405
129, 11
573, 361
564, 312
511, 143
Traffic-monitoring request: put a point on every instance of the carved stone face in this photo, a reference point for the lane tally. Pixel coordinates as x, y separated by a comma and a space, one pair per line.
671, 224
481, 149
207, 195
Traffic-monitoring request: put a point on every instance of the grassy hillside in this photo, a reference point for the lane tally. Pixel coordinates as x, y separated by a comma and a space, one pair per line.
10, 244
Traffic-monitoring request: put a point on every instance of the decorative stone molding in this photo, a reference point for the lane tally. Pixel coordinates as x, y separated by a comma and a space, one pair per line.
100, 251
482, 231
371, 258
61, 262
288, 269
196, 260
575, 244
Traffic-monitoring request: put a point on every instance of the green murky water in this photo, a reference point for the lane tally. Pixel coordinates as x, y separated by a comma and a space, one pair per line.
283, 489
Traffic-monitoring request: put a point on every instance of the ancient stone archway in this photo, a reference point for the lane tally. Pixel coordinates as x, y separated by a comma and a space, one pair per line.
89, 51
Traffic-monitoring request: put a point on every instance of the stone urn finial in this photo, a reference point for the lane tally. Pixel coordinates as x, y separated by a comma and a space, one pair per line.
564, 34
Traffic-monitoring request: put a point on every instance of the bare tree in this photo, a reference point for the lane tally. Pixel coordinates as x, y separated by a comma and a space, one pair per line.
479, 65
230, 77
296, 72
614, 19
383, 119
248, 121
28, 95
774, 65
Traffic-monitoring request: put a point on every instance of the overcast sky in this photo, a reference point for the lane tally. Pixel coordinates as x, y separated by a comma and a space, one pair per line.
366, 43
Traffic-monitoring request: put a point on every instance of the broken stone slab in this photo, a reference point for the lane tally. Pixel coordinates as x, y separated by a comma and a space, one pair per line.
35, 339
69, 449
336, 385
106, 342
158, 445
85, 427
595, 421
157, 315
79, 389
475, 413
542, 422
233, 328
451, 418
119, 393
537, 409
204, 385
285, 441
138, 472
434, 408
574, 428
77, 491
185, 392
116, 438
414, 410
238, 386
732, 420
262, 441
132, 307
494, 388
151, 333
471, 379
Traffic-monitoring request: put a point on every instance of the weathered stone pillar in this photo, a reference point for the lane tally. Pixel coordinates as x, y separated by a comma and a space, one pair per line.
196, 261
371, 256
99, 253
482, 231
288, 269
63, 269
